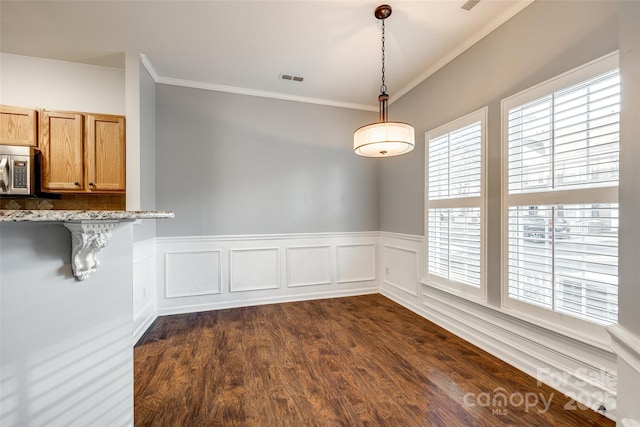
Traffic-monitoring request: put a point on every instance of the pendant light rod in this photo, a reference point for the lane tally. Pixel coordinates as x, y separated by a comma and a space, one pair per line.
383, 99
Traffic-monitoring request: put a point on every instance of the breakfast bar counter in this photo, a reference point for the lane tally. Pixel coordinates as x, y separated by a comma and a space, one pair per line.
74, 215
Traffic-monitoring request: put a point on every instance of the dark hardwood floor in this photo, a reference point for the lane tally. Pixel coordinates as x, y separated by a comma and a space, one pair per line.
357, 361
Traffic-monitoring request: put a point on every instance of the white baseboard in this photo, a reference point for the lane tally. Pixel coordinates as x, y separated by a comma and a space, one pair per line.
142, 322
195, 308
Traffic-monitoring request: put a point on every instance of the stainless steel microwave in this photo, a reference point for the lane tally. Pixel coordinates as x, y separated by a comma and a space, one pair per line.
17, 170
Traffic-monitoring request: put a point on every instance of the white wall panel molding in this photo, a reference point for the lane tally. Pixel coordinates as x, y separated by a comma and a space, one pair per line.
144, 287
254, 269
569, 365
309, 265
144, 249
401, 262
403, 275
356, 262
262, 269
192, 273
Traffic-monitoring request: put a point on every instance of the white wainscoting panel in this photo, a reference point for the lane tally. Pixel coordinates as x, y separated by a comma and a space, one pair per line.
248, 270
401, 268
254, 269
144, 287
308, 265
356, 262
193, 273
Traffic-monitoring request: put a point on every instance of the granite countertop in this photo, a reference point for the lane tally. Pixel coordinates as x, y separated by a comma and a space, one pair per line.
68, 215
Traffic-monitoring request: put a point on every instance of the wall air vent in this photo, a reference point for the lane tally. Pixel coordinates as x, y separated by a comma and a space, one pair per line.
291, 77
470, 4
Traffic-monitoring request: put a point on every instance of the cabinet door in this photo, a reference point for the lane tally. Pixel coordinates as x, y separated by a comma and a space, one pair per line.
106, 148
18, 126
62, 145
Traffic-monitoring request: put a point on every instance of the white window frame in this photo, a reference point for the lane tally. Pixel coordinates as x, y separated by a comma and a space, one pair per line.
563, 323
478, 294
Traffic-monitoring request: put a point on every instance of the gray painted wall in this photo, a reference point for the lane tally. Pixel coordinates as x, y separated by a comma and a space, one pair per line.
66, 357
147, 229
544, 40
234, 164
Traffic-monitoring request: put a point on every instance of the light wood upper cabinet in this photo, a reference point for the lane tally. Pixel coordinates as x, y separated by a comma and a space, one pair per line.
62, 146
82, 153
18, 126
105, 149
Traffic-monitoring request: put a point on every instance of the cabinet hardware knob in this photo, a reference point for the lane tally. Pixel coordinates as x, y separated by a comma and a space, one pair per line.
76, 183
91, 183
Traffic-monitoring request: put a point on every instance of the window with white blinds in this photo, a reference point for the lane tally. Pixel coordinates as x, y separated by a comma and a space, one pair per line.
562, 167
454, 203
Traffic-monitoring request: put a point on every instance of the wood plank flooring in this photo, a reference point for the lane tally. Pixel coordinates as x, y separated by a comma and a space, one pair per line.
356, 361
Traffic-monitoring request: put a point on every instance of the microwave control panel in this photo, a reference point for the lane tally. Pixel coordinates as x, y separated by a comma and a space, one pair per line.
20, 174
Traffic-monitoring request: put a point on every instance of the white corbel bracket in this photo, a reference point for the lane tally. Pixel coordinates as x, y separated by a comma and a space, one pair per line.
87, 238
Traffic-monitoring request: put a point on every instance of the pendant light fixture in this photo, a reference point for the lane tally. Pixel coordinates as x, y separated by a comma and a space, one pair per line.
384, 138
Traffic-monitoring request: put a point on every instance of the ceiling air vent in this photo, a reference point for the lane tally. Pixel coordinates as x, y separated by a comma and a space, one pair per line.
291, 77
470, 4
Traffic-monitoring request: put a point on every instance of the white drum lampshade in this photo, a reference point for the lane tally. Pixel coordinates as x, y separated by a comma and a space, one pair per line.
384, 139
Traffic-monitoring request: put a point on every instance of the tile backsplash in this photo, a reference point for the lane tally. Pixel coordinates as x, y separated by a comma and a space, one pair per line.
103, 202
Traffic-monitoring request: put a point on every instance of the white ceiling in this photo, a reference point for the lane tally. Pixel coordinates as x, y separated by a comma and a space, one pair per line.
244, 46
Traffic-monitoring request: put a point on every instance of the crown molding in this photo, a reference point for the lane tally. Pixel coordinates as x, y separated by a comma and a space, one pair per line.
249, 92
263, 94
149, 67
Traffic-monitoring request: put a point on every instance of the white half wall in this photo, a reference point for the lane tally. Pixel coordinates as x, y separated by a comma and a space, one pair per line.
66, 357
214, 272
